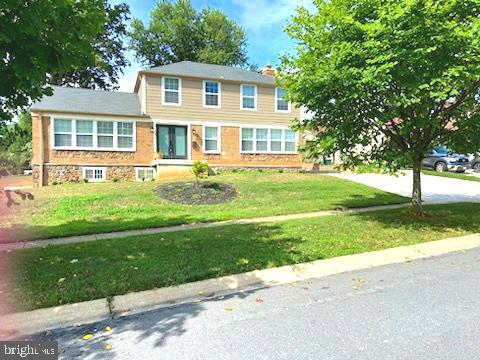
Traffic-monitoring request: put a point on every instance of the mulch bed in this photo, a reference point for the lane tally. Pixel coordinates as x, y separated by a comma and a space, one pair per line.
202, 193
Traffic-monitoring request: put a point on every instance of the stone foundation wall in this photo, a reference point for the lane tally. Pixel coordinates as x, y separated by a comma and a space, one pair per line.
73, 173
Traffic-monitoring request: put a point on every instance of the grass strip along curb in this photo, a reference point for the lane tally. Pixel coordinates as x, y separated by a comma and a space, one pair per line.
123, 305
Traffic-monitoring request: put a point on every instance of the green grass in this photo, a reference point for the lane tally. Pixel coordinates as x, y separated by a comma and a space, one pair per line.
76, 209
455, 175
111, 267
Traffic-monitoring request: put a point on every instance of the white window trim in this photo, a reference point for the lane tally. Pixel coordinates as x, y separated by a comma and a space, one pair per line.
219, 139
93, 168
95, 136
276, 103
254, 151
179, 91
219, 94
254, 97
72, 132
92, 134
137, 169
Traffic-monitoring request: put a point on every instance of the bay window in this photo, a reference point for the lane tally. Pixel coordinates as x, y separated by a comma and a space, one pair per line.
76, 134
264, 140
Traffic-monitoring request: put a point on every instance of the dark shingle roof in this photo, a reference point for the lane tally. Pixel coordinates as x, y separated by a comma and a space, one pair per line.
76, 100
210, 71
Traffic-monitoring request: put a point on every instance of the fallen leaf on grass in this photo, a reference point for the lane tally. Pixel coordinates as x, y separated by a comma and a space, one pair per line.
61, 280
87, 337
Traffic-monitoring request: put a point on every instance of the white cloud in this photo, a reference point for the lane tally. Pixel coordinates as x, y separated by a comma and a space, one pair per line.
259, 14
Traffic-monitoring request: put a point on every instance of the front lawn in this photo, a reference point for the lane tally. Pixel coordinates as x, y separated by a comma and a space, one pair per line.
76, 209
455, 175
85, 271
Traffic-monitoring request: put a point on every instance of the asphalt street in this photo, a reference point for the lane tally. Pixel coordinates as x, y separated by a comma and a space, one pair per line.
425, 309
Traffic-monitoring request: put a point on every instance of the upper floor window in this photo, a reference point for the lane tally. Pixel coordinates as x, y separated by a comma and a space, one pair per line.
248, 97
211, 93
280, 103
171, 91
75, 134
264, 140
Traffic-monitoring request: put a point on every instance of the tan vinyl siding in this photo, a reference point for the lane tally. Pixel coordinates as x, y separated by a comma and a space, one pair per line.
192, 104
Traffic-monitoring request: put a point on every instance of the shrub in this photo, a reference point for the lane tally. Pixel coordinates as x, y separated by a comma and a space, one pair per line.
85, 180
152, 179
54, 182
280, 171
115, 179
199, 169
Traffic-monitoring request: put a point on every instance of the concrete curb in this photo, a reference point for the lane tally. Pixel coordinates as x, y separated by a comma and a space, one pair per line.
91, 311
168, 229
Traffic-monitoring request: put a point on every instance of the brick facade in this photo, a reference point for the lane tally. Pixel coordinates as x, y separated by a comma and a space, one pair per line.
231, 155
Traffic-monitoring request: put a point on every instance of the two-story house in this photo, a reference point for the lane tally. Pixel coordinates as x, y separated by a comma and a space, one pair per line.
178, 113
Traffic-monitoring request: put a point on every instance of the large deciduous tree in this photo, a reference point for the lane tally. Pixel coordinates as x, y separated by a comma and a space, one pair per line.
387, 79
109, 54
41, 37
177, 32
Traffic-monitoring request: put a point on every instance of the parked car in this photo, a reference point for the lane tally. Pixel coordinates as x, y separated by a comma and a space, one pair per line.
476, 164
440, 158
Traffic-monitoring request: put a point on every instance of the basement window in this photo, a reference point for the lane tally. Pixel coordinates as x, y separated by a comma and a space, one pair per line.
144, 173
94, 173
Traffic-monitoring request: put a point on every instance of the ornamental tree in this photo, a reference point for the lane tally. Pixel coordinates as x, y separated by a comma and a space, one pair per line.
38, 38
387, 79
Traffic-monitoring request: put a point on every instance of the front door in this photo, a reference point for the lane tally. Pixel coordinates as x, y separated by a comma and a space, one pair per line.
172, 141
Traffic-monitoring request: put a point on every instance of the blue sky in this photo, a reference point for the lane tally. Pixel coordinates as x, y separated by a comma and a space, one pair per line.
263, 20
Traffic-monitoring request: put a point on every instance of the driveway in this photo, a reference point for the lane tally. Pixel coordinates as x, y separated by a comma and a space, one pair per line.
435, 189
425, 309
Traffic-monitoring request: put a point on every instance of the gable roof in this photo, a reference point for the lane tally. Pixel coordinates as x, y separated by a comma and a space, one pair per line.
211, 71
87, 101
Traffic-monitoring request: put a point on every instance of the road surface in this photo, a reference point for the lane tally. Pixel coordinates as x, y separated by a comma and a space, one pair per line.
425, 309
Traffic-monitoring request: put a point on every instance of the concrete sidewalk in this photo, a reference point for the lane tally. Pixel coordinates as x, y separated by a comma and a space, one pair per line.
168, 229
122, 305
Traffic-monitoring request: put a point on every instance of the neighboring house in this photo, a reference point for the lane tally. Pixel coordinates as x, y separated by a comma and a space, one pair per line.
178, 113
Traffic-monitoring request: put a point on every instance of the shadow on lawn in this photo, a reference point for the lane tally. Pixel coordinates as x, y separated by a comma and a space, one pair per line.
439, 218
20, 232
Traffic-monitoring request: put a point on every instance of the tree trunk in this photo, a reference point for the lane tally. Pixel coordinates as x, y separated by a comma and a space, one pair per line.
417, 208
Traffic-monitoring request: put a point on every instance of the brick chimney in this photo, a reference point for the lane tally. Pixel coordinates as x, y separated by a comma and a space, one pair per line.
269, 70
